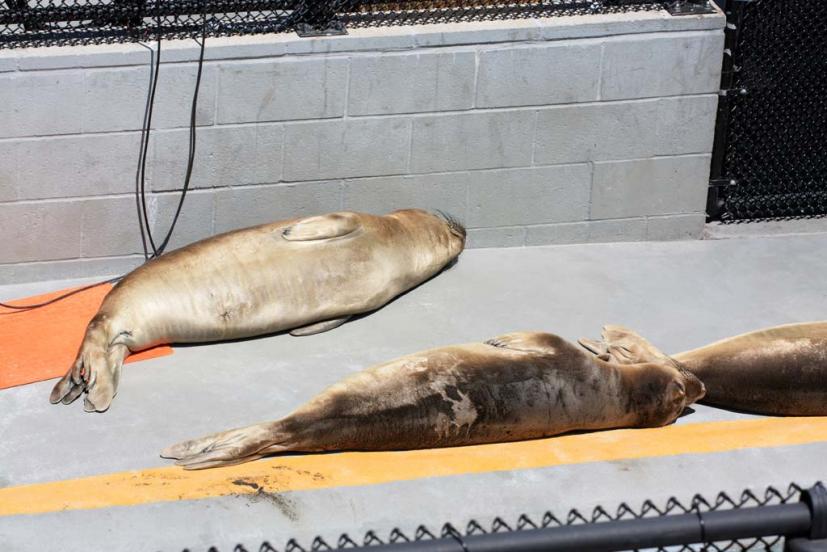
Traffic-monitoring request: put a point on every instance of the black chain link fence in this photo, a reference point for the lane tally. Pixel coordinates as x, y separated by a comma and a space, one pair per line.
27, 23
770, 157
648, 509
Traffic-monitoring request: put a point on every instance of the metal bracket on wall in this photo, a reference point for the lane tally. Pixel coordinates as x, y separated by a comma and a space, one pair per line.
689, 7
333, 28
715, 201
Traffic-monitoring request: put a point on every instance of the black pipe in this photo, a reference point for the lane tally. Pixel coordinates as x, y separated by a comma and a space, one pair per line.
786, 519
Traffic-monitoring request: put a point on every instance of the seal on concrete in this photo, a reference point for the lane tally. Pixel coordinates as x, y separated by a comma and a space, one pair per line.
778, 371
309, 275
517, 386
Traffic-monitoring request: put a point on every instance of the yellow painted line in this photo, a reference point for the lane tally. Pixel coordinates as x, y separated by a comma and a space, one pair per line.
320, 471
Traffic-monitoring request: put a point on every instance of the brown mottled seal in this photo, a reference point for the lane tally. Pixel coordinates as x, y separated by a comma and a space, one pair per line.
518, 386
311, 274
776, 371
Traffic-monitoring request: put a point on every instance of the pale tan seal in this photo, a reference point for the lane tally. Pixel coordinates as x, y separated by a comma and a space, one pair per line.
775, 371
517, 386
309, 275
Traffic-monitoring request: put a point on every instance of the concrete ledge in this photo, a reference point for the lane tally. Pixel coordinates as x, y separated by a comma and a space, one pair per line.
751, 229
378, 38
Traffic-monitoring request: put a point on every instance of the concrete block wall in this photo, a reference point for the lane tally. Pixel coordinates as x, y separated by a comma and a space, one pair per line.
560, 130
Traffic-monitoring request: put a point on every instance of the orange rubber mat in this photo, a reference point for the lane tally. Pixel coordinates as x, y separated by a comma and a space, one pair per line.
42, 343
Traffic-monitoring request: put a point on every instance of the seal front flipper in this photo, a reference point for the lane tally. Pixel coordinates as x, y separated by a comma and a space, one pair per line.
529, 342
319, 327
623, 346
324, 227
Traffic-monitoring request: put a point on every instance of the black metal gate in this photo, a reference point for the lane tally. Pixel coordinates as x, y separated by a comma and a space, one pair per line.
770, 153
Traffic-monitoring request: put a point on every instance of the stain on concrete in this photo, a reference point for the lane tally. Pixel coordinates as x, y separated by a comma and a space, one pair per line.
285, 505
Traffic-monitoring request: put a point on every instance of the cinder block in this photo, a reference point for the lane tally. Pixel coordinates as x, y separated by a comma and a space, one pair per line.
675, 227
446, 192
472, 141
625, 130
625, 23
224, 156
557, 234
110, 226
39, 104
9, 163
85, 56
631, 229
662, 64
529, 196
38, 231
560, 72
115, 99
242, 207
280, 90
510, 236
74, 268
411, 82
343, 149
72, 166
481, 32
660, 186
195, 222
685, 125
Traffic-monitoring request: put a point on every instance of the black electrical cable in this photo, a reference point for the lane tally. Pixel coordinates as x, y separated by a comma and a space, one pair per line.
58, 298
145, 132
193, 126
140, 190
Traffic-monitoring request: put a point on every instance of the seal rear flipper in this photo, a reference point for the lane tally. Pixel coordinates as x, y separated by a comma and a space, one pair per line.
229, 447
319, 327
96, 370
323, 227
529, 342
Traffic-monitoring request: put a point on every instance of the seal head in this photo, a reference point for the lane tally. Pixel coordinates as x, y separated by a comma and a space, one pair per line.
659, 393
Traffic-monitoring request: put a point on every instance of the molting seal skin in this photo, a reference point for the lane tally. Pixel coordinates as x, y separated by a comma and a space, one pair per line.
522, 385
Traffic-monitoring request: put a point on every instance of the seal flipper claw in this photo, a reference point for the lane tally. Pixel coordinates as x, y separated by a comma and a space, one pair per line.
592, 345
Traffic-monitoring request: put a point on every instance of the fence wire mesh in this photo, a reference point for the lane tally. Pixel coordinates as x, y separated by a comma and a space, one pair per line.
648, 509
29, 23
774, 162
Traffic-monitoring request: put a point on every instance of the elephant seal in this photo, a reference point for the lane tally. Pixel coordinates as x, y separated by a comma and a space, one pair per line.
779, 371
517, 386
308, 275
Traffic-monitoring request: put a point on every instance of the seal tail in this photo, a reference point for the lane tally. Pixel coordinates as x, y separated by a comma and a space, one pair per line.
230, 447
96, 370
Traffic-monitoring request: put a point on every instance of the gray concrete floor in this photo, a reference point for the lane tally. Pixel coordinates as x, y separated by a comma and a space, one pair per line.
679, 294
